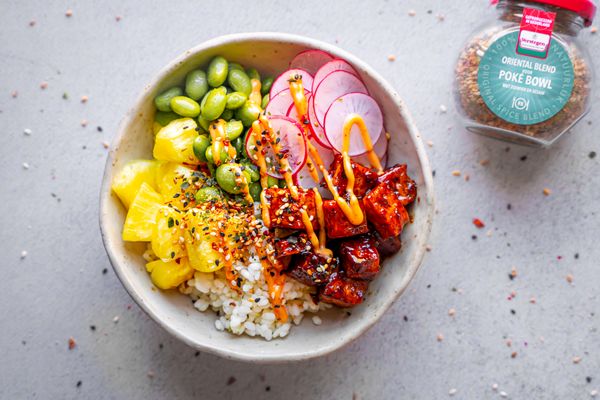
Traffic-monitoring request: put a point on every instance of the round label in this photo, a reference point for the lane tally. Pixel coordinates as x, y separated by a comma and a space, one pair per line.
521, 89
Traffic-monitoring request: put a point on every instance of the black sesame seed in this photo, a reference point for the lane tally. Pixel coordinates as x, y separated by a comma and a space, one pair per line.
592, 154
79, 383
104, 271
93, 327
513, 312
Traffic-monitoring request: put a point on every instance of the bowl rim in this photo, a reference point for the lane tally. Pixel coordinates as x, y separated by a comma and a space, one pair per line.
309, 43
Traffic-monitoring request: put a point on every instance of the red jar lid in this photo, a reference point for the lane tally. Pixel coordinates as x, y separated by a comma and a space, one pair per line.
585, 8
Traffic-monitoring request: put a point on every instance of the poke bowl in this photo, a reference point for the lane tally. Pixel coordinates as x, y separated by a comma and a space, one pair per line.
236, 208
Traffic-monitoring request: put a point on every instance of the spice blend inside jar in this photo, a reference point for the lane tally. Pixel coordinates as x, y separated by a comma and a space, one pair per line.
524, 77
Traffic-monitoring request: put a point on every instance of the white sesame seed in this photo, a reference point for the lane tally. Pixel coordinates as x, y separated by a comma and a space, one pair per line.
443, 109
23, 254
105, 144
412, 13
27, 131
594, 393
452, 392
317, 320
26, 165
495, 386
503, 394
116, 319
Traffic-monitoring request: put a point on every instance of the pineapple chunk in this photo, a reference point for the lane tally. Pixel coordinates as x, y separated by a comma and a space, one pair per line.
129, 179
141, 217
199, 243
175, 142
169, 177
169, 275
167, 231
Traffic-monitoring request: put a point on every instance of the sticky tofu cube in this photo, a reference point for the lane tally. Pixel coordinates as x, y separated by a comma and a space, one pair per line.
284, 210
359, 258
385, 211
336, 223
312, 269
292, 245
400, 183
364, 178
344, 292
387, 247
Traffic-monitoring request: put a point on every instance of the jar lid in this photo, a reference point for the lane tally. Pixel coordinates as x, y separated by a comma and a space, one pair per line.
585, 8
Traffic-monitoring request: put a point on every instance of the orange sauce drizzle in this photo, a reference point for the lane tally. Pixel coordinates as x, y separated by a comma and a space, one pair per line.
275, 281
219, 141
255, 95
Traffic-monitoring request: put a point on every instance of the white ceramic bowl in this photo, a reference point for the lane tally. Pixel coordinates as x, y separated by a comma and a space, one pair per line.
270, 53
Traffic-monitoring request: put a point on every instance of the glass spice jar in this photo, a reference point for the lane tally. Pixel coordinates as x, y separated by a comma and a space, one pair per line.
523, 77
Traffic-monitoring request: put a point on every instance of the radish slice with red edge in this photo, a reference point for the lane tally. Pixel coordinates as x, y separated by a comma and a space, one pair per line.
292, 142
353, 103
315, 127
304, 179
282, 81
334, 86
333, 65
280, 103
310, 60
380, 148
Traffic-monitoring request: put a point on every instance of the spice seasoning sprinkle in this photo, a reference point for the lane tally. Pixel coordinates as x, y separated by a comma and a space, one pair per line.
391, 57
546, 192
43, 85
478, 223
69, 13
72, 343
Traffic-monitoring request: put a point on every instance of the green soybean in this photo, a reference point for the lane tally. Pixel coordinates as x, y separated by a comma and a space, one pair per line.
248, 113
265, 101
253, 74
196, 84
215, 104
265, 87
272, 182
201, 143
239, 81
163, 100
209, 193
217, 71
240, 148
234, 129
185, 106
210, 159
228, 177
227, 114
252, 170
233, 65
255, 190
235, 100
204, 123
163, 118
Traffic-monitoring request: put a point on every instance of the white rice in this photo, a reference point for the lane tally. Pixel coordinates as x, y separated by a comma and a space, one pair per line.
250, 312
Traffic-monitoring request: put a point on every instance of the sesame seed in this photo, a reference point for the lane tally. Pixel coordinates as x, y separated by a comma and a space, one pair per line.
32, 22
84, 99
547, 192
69, 13
569, 278
25, 165
495, 386
443, 109
23, 254
14, 94
391, 57
594, 30
412, 13
503, 394
43, 85
429, 143
451, 312
317, 320
456, 173
452, 391
594, 393
440, 337
576, 360
105, 144
118, 18
27, 132
116, 319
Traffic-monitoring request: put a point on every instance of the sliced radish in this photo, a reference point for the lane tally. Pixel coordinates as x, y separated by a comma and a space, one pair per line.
334, 86
310, 60
292, 142
334, 65
282, 81
304, 179
353, 103
281, 102
315, 127
380, 148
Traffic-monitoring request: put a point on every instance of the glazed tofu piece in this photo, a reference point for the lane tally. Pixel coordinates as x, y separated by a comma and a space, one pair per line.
291, 245
385, 211
344, 292
336, 223
359, 258
400, 183
312, 269
284, 210
387, 247
364, 178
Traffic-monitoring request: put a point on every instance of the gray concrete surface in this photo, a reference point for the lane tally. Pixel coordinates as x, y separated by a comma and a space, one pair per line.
65, 285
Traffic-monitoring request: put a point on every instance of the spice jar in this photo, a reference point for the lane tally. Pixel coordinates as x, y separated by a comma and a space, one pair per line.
523, 77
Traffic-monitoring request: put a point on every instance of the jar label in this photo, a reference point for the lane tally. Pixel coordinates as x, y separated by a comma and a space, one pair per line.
536, 33
523, 89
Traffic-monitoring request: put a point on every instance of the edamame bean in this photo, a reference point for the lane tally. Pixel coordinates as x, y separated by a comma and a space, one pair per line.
229, 177
252, 170
214, 104
235, 100
210, 159
163, 100
255, 190
248, 113
209, 193
196, 84
204, 123
265, 87
239, 81
201, 143
253, 73
217, 71
234, 129
233, 65
239, 147
227, 114
163, 118
272, 182
185, 106
265, 101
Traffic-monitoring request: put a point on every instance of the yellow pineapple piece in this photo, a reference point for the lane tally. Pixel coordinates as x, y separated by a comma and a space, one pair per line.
169, 275
169, 178
128, 180
175, 142
166, 242
201, 242
141, 217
